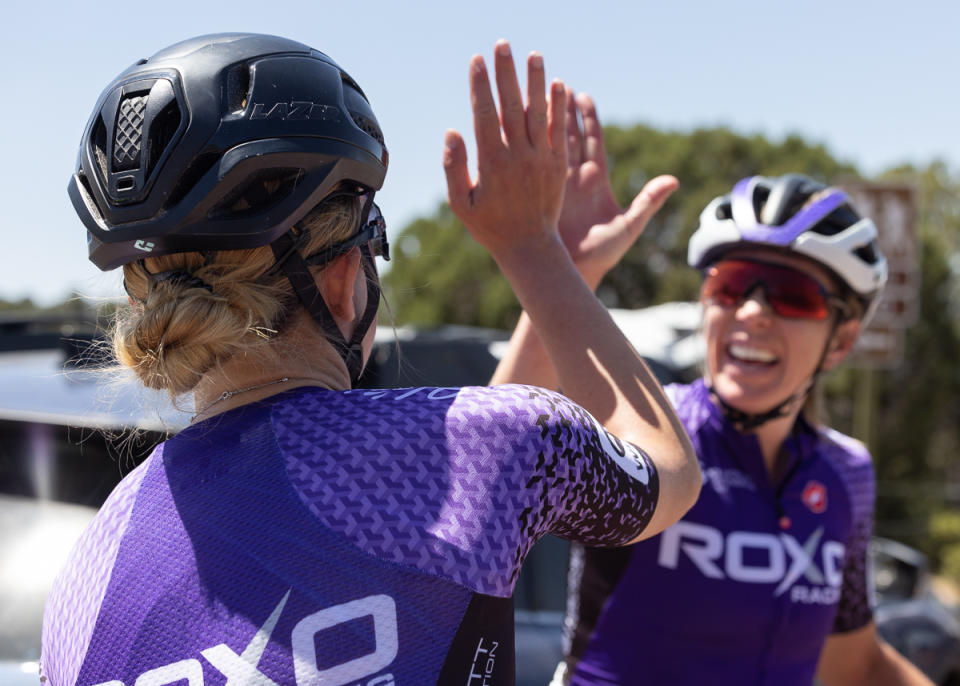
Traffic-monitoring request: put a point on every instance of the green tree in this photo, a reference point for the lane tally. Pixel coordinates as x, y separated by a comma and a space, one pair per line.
918, 440
442, 276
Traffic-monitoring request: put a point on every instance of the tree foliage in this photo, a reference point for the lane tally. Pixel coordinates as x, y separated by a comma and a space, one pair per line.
442, 276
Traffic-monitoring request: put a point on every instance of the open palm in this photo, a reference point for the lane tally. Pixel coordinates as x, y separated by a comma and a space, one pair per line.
596, 231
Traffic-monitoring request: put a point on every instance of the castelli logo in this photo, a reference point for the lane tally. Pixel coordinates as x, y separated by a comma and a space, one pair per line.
815, 497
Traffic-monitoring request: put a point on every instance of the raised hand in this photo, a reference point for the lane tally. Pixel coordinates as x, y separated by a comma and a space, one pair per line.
521, 158
596, 231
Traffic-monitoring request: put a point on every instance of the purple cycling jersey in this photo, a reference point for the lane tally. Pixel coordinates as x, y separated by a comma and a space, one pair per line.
340, 538
746, 587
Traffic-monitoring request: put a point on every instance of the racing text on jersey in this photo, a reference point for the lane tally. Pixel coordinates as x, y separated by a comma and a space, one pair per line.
773, 559
243, 668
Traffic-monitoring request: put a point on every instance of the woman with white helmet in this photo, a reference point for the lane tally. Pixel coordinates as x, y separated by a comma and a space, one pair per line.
764, 580
300, 531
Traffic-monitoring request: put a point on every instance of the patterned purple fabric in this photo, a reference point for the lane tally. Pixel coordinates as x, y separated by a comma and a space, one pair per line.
852, 461
463, 495
74, 602
366, 537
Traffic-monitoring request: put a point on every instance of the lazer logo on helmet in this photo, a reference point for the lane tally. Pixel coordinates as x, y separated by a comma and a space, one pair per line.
244, 668
759, 558
298, 110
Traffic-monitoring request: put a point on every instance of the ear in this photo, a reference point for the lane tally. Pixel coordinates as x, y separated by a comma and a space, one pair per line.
336, 282
841, 343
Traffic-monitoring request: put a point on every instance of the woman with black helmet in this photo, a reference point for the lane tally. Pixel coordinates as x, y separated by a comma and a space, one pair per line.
764, 580
300, 531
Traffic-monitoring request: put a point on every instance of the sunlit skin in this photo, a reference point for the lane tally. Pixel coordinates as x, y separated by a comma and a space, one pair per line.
757, 359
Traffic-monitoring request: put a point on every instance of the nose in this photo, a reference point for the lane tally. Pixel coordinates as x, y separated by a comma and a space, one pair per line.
754, 304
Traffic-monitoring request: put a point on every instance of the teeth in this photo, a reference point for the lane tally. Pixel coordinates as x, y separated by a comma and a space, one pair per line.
747, 354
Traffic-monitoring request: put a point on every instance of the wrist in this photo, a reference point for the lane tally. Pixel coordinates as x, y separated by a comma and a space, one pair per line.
530, 253
592, 273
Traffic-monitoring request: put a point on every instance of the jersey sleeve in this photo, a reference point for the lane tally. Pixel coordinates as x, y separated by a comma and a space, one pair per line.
854, 609
588, 485
462, 482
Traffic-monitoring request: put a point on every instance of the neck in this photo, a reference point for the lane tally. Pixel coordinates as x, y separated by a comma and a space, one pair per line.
772, 433
298, 357
771, 437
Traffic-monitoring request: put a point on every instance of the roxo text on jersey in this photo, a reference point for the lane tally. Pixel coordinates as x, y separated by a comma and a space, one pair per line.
776, 559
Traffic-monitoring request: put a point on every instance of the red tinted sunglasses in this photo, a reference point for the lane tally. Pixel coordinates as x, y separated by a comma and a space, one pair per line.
790, 292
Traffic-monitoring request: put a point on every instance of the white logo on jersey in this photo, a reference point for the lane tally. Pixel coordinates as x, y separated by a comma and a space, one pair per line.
782, 557
626, 455
243, 669
484, 663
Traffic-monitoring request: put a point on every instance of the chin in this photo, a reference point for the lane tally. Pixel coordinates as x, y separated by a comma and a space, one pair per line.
743, 399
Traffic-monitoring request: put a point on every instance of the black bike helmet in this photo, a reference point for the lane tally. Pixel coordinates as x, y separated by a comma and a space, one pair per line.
225, 142
177, 139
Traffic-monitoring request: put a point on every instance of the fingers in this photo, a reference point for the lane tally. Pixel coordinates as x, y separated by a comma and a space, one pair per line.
574, 135
593, 148
557, 123
650, 199
511, 101
459, 185
536, 100
486, 126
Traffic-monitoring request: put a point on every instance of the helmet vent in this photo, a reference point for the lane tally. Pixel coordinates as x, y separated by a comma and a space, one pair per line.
98, 141
162, 130
367, 126
94, 207
238, 88
257, 193
868, 253
760, 196
128, 136
200, 165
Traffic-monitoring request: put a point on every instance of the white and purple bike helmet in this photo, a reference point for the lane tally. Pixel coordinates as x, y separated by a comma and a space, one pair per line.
771, 212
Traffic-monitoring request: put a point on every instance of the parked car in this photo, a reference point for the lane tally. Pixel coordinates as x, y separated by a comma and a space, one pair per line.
910, 616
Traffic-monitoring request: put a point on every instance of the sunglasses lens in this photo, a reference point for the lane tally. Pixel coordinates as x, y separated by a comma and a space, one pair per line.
725, 286
800, 298
789, 292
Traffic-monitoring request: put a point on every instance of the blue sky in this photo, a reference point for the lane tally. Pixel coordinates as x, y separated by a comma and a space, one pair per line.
876, 82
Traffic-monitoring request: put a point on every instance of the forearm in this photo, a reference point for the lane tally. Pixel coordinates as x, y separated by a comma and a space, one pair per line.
526, 360
862, 658
597, 368
890, 668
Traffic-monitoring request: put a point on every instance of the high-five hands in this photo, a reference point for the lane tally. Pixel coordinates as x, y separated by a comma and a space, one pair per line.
521, 159
596, 231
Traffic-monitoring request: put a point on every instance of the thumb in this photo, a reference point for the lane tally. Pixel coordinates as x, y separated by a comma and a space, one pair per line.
649, 200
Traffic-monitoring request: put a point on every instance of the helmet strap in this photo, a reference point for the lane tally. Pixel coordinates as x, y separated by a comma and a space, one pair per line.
292, 263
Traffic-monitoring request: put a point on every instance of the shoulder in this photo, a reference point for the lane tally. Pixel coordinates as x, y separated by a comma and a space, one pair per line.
845, 452
509, 404
851, 460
